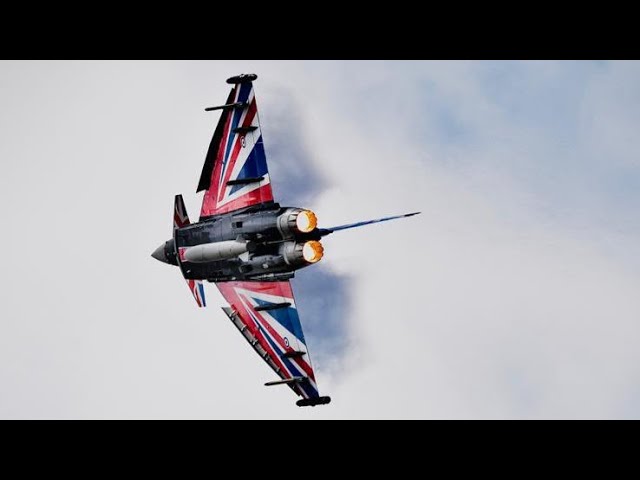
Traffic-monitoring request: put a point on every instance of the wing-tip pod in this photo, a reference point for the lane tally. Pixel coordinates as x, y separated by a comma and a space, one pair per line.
312, 402
242, 78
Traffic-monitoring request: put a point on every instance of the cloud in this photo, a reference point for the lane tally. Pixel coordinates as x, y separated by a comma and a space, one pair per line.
322, 296
513, 295
495, 304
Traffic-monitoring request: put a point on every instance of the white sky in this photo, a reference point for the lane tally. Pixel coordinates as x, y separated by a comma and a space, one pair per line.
513, 295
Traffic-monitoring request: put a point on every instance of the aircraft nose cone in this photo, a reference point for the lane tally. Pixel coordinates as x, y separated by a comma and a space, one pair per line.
158, 254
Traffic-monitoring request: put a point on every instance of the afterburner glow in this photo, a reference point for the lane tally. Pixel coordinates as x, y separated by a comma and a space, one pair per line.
306, 221
312, 251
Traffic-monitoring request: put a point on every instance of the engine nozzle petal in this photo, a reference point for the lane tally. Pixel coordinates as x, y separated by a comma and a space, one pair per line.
312, 251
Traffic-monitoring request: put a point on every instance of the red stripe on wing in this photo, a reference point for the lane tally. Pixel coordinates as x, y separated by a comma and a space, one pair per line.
280, 341
228, 292
209, 203
233, 156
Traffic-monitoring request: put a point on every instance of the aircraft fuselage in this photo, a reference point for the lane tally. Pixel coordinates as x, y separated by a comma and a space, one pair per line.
264, 242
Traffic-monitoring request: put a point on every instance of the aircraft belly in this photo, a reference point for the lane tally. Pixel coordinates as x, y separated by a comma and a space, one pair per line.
265, 258
236, 269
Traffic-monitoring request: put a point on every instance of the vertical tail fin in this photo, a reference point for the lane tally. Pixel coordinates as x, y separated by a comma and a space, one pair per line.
181, 219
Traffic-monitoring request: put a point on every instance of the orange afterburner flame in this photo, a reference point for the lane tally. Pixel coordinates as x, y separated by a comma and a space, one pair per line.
306, 221
312, 251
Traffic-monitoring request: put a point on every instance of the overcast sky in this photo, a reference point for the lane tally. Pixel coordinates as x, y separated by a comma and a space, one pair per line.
516, 293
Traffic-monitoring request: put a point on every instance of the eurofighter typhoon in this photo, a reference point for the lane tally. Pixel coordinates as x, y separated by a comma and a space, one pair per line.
249, 245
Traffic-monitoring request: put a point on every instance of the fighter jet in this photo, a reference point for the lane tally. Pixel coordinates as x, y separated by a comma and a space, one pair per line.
249, 245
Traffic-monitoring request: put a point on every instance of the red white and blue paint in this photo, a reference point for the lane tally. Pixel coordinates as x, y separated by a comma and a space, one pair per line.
239, 155
278, 331
234, 177
197, 289
181, 219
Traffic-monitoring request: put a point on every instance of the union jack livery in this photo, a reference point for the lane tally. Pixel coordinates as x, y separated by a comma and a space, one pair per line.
235, 173
181, 219
197, 289
266, 314
249, 245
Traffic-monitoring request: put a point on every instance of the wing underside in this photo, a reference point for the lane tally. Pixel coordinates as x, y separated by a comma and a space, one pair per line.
235, 173
266, 315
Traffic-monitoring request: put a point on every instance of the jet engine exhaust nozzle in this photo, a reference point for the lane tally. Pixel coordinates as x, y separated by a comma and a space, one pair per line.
295, 221
312, 251
298, 253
